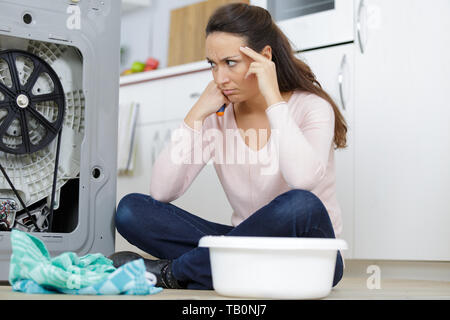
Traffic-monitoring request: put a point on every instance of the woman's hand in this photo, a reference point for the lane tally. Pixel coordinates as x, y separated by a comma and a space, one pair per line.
211, 100
266, 73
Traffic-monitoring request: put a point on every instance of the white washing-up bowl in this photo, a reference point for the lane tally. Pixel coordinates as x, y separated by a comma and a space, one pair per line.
272, 267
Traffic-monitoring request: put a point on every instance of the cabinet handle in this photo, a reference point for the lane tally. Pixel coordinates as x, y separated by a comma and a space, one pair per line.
359, 27
341, 80
195, 95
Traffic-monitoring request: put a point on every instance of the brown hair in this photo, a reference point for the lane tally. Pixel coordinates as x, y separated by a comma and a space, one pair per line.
257, 27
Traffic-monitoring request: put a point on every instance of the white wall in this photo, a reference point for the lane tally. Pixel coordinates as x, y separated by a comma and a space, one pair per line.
146, 31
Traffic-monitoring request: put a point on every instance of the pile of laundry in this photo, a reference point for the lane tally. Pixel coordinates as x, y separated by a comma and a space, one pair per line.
32, 270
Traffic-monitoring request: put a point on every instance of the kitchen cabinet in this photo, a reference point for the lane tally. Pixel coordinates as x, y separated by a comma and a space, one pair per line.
334, 69
402, 134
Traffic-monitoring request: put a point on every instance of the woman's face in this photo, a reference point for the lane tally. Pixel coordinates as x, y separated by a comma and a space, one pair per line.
229, 66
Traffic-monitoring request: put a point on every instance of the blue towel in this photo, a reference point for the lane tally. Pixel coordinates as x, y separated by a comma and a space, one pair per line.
129, 279
32, 270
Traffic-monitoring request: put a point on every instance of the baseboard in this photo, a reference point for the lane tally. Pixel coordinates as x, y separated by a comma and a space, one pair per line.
390, 269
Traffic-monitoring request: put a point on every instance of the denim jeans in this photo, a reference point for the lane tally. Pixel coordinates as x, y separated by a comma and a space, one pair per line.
168, 232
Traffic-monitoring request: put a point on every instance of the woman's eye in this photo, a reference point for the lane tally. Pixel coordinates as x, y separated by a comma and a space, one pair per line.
229, 63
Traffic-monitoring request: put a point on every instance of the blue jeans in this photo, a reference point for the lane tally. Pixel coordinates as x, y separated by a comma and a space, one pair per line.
168, 232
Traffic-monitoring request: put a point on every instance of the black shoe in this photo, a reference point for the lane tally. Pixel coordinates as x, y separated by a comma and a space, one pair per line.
162, 268
123, 257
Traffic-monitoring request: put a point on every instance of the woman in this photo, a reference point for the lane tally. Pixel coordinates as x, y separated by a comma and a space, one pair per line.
266, 89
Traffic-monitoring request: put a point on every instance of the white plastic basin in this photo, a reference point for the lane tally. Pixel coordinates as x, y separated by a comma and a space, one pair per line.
272, 267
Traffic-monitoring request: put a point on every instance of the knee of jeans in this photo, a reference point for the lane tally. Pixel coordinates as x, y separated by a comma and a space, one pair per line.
305, 205
304, 199
124, 214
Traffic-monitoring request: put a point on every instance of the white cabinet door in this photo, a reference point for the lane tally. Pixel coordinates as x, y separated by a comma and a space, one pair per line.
150, 98
333, 68
182, 92
402, 113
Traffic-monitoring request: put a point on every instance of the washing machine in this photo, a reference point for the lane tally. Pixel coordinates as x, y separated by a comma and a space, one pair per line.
59, 87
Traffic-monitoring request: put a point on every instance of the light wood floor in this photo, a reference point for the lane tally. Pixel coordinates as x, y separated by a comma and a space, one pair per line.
347, 289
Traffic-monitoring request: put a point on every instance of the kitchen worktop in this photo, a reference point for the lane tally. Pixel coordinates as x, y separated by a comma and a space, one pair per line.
163, 73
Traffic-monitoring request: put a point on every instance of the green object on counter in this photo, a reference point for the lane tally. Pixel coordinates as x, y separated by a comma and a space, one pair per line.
137, 66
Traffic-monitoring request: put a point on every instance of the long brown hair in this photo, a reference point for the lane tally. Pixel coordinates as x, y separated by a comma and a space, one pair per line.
257, 27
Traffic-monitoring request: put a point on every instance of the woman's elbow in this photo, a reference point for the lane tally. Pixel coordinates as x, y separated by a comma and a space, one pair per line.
307, 182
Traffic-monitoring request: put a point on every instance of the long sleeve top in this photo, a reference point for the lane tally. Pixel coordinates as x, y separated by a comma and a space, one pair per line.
299, 154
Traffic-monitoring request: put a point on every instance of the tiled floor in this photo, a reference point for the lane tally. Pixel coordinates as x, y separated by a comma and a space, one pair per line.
348, 288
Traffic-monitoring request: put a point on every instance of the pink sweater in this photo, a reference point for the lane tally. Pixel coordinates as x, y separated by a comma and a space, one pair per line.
298, 155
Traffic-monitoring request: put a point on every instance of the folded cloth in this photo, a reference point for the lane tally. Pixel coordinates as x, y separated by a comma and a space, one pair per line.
32, 270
